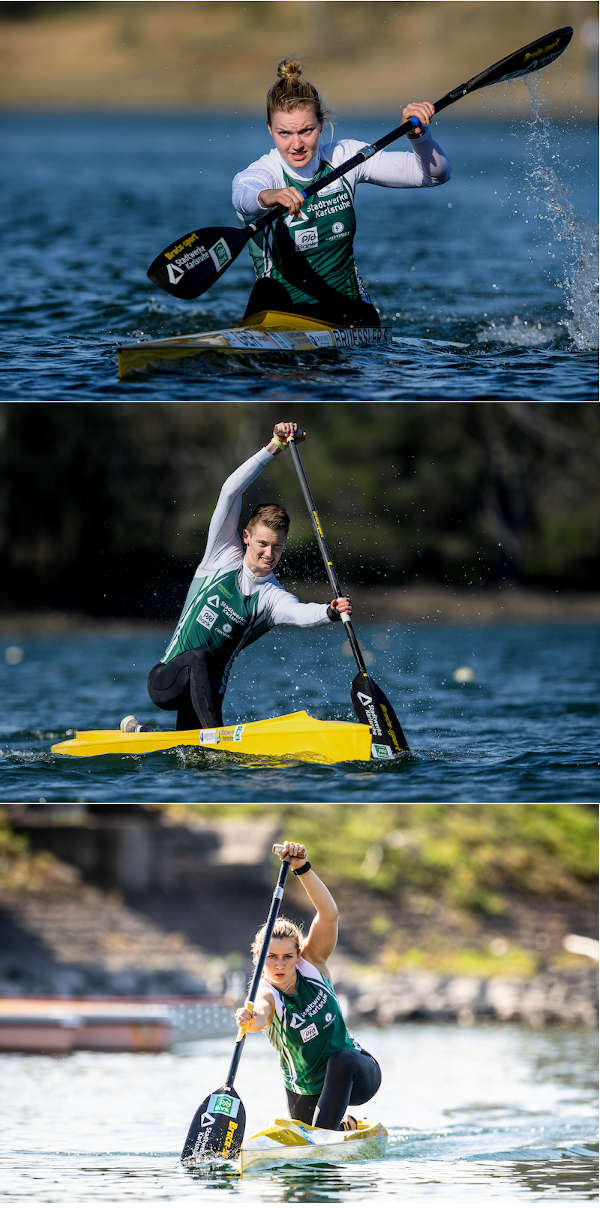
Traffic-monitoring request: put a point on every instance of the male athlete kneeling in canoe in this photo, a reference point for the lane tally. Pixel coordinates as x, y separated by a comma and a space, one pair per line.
234, 598
324, 1069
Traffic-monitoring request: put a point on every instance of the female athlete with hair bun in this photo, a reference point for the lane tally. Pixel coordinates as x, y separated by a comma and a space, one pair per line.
304, 262
324, 1069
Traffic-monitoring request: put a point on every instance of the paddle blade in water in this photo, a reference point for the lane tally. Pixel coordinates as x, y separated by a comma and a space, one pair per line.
190, 266
373, 708
217, 1130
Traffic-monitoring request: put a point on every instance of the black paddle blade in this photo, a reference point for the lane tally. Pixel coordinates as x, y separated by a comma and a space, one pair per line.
217, 1130
373, 709
532, 57
190, 266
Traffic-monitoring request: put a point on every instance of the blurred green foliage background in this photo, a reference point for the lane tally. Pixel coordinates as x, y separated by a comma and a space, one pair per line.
104, 508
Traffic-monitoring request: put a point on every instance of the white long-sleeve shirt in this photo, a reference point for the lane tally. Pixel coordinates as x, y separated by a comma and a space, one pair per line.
206, 619
424, 165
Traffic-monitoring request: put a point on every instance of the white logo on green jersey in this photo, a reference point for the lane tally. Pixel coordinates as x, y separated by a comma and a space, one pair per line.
306, 239
207, 617
310, 1032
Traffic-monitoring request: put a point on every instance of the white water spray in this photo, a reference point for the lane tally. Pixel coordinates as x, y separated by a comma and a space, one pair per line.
577, 275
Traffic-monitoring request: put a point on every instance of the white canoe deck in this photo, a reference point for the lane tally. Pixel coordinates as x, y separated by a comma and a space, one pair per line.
290, 1141
269, 332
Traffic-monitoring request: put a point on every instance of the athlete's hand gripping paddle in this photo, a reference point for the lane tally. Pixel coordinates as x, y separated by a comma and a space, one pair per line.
217, 1130
371, 705
192, 263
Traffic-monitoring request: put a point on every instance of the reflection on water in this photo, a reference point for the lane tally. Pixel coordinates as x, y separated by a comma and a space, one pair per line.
475, 1115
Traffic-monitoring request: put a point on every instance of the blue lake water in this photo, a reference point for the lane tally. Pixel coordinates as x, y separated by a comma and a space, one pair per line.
525, 728
474, 1115
501, 260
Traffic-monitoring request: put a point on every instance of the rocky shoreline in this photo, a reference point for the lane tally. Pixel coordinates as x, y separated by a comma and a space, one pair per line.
567, 999
75, 932
139, 961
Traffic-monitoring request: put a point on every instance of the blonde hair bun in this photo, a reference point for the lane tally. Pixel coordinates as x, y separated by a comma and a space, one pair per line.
288, 68
291, 91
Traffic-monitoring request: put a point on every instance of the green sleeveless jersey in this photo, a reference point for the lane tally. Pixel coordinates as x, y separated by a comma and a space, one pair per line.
307, 1027
312, 253
218, 616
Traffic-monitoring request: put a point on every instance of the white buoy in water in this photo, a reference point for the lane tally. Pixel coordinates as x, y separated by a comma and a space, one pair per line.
13, 655
463, 675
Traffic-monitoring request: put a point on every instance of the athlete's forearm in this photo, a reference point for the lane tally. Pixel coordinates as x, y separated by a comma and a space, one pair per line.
245, 189
425, 164
286, 609
223, 526
320, 896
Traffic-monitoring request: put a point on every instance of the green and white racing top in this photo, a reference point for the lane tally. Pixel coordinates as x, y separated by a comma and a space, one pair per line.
307, 1027
323, 232
227, 606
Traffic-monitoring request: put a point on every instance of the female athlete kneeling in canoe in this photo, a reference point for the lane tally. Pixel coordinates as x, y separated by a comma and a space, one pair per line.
234, 598
324, 1069
305, 262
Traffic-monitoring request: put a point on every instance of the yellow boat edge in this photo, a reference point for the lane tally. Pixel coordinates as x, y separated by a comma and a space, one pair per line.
263, 329
292, 1141
292, 735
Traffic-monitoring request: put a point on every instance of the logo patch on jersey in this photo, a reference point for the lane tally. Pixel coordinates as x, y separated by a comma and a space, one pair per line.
337, 228
214, 600
227, 628
207, 617
310, 1032
296, 1021
297, 220
306, 239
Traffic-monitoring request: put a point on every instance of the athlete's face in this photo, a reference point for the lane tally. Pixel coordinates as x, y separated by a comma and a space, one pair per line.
264, 547
296, 134
280, 965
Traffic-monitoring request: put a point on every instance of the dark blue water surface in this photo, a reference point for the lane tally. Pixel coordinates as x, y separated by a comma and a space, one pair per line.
524, 729
500, 261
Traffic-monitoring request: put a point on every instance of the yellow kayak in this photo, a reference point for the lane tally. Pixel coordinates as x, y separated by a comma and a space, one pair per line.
287, 1141
269, 331
291, 736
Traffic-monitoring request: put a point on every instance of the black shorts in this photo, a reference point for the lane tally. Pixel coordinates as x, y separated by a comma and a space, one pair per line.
189, 683
334, 308
353, 1076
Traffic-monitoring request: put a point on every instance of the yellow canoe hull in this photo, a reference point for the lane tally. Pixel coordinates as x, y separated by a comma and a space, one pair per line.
269, 331
287, 1141
291, 736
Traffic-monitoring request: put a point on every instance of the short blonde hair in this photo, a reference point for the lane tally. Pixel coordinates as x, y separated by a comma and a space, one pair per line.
272, 515
291, 90
284, 929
